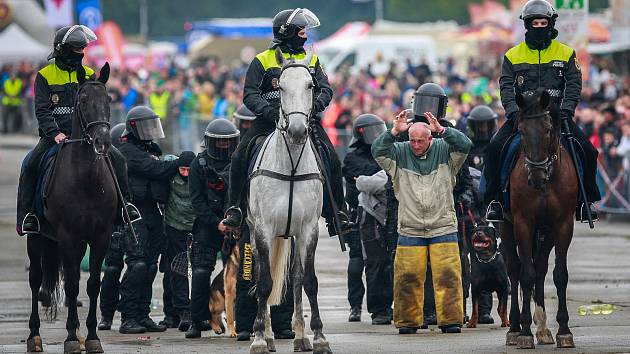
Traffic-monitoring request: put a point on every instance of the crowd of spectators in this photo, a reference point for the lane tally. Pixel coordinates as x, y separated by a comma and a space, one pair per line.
213, 90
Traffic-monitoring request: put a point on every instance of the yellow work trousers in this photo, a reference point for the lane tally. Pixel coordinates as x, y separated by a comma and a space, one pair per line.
410, 268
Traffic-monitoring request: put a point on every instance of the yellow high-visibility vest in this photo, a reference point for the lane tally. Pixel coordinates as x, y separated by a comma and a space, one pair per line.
12, 90
159, 103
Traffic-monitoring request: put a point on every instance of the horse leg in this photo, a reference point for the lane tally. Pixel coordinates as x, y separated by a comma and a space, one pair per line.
300, 343
564, 338
71, 289
263, 290
34, 249
97, 254
543, 334
320, 344
513, 268
525, 234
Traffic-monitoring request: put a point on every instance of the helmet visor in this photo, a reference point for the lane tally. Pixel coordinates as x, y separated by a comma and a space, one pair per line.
79, 36
221, 148
433, 104
482, 130
149, 129
371, 132
303, 18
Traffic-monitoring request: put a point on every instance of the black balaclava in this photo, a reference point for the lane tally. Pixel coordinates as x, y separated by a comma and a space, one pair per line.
70, 58
539, 38
295, 43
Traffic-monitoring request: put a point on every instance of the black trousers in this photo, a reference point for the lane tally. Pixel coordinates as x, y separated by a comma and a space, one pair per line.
12, 119
136, 288
206, 245
110, 284
493, 163
356, 288
246, 303
176, 244
239, 164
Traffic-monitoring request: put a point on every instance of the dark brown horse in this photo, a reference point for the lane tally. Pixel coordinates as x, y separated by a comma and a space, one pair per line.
80, 210
543, 193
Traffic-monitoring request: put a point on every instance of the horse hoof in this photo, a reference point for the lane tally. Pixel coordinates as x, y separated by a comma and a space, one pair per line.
511, 338
93, 346
270, 344
525, 342
321, 348
34, 345
302, 345
258, 349
72, 347
565, 340
545, 337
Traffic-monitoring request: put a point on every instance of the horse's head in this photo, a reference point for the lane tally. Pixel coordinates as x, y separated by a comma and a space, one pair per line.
92, 110
296, 97
539, 135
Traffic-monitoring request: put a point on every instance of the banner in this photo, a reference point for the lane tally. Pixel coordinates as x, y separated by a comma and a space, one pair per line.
572, 26
111, 38
59, 12
89, 13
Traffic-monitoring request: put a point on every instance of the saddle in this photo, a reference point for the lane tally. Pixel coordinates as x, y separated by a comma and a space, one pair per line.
44, 180
508, 158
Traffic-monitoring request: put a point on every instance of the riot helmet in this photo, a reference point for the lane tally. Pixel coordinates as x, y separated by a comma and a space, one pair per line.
116, 133
220, 139
429, 97
481, 124
69, 38
243, 118
366, 128
538, 9
143, 124
539, 38
288, 23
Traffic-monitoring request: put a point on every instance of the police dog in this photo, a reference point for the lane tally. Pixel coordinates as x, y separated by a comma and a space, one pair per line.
223, 289
488, 272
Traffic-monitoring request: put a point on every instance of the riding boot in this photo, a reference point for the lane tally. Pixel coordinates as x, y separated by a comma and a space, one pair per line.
27, 221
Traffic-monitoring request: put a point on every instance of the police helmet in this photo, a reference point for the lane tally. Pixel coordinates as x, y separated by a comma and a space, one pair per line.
366, 128
429, 97
287, 23
481, 123
68, 37
538, 9
116, 133
220, 139
243, 118
143, 124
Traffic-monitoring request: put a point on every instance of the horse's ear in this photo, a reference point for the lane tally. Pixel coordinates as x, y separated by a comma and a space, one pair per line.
103, 76
279, 56
544, 99
81, 74
519, 100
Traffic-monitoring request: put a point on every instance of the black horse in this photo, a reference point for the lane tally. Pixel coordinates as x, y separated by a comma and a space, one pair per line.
80, 210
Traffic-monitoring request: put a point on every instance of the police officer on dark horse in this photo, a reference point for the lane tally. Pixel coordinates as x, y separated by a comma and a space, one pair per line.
541, 62
262, 97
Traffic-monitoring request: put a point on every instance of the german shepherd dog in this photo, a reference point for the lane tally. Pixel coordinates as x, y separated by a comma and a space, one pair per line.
488, 272
223, 289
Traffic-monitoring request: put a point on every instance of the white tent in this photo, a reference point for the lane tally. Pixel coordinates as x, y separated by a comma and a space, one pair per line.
17, 45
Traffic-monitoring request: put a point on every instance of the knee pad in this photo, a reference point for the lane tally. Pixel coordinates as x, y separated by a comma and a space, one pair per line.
113, 269
139, 267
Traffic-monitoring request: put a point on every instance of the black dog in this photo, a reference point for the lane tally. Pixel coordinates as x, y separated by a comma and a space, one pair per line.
488, 272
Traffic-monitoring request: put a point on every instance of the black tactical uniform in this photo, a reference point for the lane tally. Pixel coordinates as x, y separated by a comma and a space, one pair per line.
246, 302
208, 183
148, 178
243, 119
539, 62
368, 247
262, 96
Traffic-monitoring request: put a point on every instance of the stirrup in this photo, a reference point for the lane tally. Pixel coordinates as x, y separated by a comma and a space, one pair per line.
493, 215
36, 221
134, 214
582, 217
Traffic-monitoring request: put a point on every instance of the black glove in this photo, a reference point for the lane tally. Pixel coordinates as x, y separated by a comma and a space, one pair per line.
272, 114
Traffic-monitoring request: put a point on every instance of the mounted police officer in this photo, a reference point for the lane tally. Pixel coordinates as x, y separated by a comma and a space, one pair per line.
243, 119
262, 97
56, 86
208, 183
367, 243
540, 62
149, 178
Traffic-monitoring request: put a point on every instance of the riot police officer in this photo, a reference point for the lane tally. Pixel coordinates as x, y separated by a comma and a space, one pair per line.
149, 177
262, 97
360, 162
243, 119
540, 62
56, 86
208, 183
481, 125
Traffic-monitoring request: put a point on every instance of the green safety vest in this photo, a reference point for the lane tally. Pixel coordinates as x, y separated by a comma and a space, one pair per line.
12, 90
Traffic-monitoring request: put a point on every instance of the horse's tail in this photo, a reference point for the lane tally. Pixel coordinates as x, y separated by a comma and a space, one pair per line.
51, 267
280, 253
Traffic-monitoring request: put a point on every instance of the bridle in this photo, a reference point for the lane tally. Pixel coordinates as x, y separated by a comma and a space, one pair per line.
286, 115
546, 165
85, 125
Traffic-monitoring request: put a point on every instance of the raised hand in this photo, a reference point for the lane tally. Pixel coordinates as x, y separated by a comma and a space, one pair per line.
400, 123
434, 125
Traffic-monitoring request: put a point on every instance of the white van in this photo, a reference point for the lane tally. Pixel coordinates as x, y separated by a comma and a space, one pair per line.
378, 50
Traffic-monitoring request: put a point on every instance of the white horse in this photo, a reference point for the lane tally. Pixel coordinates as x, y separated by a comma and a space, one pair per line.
285, 201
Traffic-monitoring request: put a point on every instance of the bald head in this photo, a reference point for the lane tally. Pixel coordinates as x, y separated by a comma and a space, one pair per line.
420, 138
